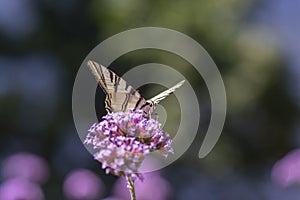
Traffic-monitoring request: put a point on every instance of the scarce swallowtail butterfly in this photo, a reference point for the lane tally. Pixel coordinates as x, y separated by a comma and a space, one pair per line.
120, 96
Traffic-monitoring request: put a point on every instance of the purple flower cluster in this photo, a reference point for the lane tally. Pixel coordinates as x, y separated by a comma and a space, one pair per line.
123, 139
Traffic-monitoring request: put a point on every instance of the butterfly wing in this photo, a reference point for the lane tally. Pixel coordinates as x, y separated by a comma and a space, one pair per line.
120, 96
150, 104
156, 99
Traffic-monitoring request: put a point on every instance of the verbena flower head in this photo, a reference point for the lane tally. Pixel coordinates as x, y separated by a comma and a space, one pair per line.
123, 139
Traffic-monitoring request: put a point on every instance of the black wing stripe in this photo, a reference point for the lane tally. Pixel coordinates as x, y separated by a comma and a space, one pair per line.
145, 104
117, 81
96, 70
108, 103
137, 103
126, 87
111, 75
102, 76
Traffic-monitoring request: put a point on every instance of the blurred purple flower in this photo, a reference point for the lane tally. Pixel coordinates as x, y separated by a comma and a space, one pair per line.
287, 170
152, 187
83, 184
124, 139
27, 166
18, 188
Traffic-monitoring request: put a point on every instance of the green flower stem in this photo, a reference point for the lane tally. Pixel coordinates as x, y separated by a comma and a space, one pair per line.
131, 187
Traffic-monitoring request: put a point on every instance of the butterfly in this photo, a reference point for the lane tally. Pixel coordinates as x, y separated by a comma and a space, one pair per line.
122, 97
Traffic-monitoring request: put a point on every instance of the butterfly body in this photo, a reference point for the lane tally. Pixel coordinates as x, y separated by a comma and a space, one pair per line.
122, 97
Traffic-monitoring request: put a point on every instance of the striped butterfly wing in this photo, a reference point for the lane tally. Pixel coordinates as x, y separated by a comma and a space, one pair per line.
149, 106
156, 99
120, 96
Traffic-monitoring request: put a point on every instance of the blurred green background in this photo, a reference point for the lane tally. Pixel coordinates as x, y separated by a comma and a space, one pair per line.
255, 45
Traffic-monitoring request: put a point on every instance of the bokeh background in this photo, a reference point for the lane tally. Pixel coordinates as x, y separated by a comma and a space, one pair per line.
255, 45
